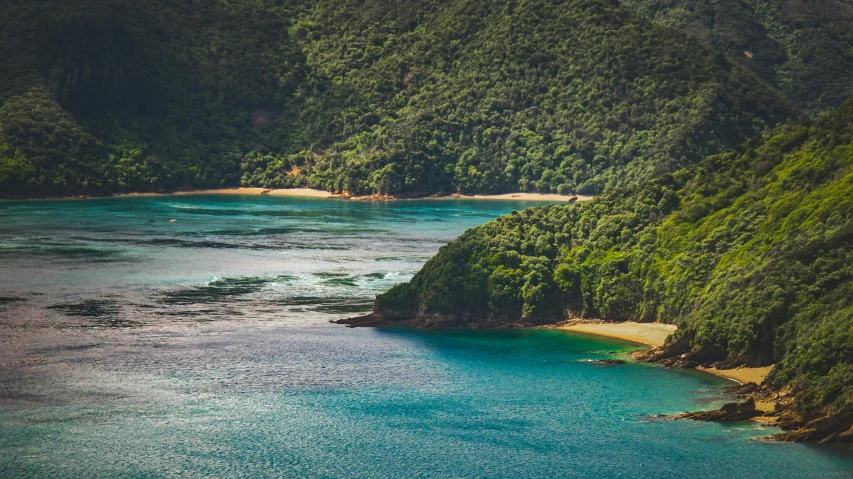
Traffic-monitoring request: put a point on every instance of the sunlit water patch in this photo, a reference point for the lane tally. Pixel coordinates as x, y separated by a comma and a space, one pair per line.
134, 346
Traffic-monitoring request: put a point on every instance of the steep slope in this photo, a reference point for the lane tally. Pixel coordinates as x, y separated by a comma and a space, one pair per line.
801, 47
398, 97
749, 252
102, 96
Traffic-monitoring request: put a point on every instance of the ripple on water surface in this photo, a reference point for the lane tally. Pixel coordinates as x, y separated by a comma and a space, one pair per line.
136, 347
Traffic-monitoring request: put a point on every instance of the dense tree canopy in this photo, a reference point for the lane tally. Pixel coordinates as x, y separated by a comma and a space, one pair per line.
749, 252
802, 47
369, 96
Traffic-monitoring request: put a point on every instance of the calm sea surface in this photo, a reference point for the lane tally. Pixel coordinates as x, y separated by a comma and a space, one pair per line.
133, 346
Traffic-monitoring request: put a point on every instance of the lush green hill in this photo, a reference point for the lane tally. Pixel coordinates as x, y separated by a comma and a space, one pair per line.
749, 252
390, 96
802, 47
102, 96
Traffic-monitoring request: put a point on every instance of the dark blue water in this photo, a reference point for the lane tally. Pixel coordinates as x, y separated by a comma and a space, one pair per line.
133, 346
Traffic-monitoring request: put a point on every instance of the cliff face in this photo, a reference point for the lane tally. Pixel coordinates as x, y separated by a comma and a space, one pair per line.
748, 252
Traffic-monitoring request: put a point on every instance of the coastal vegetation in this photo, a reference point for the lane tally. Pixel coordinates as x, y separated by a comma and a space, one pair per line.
748, 252
402, 97
725, 185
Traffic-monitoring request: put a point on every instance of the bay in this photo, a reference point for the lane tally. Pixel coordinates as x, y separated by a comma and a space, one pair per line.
137, 346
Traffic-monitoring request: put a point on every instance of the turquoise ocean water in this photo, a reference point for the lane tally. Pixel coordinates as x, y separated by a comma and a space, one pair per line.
133, 346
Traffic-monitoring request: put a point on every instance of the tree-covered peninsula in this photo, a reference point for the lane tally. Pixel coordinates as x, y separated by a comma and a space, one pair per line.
749, 252
402, 97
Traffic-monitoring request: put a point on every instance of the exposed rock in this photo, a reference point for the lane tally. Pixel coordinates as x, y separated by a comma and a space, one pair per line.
610, 361
846, 436
788, 421
743, 389
650, 356
823, 429
729, 412
369, 321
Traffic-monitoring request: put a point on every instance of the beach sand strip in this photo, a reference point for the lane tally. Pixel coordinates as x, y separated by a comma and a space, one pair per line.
654, 335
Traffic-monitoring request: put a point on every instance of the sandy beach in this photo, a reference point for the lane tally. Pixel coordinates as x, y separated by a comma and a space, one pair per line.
650, 334
654, 335
291, 192
523, 197
741, 375
314, 193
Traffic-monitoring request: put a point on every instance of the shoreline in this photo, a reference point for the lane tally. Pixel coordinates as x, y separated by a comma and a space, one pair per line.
649, 334
243, 191
654, 335
520, 197
322, 194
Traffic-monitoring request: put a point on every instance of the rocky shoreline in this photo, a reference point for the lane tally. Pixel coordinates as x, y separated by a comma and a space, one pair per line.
373, 320
821, 429
798, 428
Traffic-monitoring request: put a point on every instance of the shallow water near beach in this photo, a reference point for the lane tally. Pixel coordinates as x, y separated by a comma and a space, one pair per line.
134, 346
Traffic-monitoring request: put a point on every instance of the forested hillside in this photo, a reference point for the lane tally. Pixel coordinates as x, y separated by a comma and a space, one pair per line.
372, 96
749, 252
102, 96
802, 47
